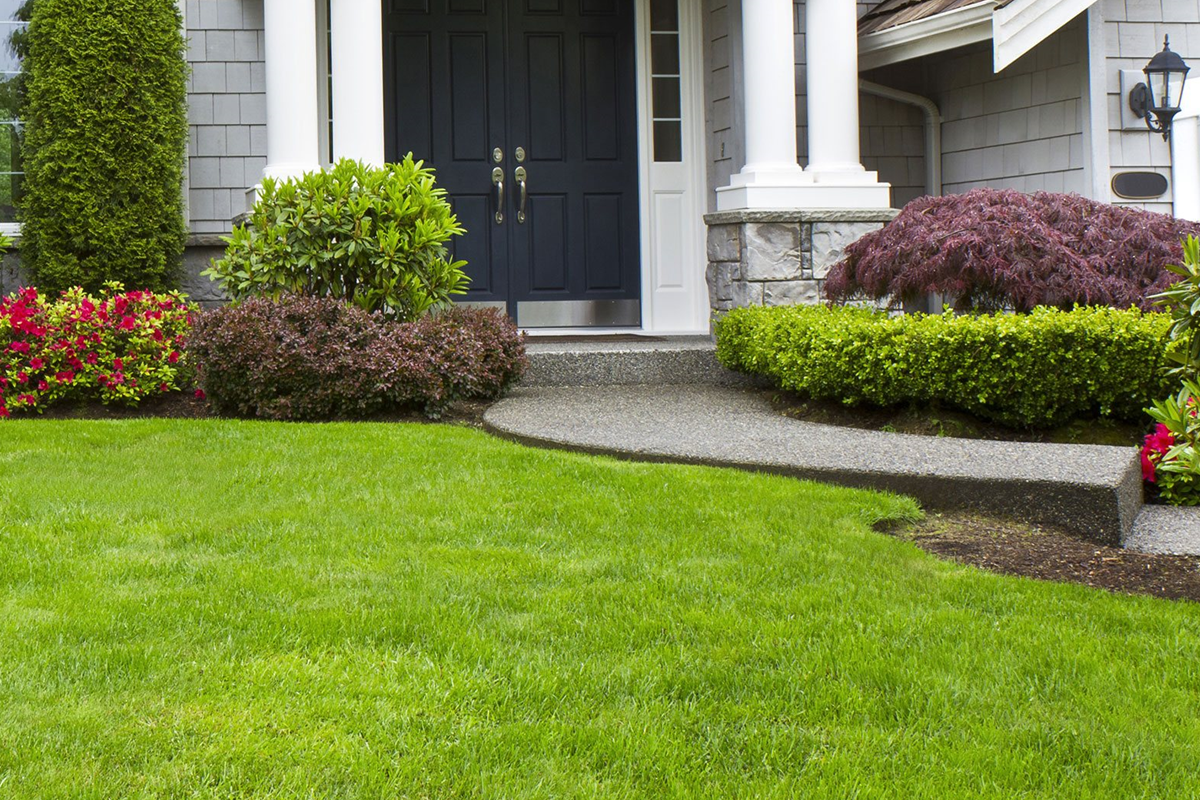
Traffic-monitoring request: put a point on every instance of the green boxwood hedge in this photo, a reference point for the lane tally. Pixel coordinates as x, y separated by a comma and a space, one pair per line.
1023, 370
105, 137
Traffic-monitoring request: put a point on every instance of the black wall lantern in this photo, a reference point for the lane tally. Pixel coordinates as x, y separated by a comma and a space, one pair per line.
1165, 74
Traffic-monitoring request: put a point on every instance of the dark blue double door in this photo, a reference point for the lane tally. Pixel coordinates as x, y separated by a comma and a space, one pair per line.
527, 109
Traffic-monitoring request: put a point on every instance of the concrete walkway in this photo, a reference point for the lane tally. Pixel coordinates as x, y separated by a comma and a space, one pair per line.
1091, 489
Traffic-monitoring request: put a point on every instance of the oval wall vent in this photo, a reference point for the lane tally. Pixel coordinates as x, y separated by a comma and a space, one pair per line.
1139, 185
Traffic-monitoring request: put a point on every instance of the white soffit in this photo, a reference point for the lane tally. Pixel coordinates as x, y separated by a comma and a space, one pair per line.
922, 37
1019, 26
1014, 29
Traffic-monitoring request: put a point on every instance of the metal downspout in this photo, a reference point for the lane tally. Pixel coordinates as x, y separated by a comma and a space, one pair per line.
933, 129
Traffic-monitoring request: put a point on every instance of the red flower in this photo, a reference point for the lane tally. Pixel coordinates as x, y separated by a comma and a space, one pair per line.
43, 386
66, 376
200, 395
27, 399
1148, 468
36, 363
1154, 448
23, 377
164, 388
19, 347
91, 358
157, 335
174, 357
118, 364
3, 413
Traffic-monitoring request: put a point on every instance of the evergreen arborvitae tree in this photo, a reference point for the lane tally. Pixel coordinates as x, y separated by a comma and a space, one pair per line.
104, 112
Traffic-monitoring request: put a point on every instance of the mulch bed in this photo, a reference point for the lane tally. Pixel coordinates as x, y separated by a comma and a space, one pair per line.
929, 421
181, 405
1049, 554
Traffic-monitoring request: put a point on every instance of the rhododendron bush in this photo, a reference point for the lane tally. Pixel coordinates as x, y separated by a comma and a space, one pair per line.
990, 250
118, 348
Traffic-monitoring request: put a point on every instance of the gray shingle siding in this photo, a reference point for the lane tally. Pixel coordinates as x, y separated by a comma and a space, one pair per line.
227, 109
1133, 33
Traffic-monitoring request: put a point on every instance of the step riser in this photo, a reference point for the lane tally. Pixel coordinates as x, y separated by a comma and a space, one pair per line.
631, 368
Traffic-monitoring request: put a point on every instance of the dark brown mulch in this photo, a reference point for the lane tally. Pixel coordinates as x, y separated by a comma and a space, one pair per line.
928, 421
1050, 554
180, 405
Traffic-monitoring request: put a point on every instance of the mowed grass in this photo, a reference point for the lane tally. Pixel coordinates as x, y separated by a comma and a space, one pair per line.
235, 609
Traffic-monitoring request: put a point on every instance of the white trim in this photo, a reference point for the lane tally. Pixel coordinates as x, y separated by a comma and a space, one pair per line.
1096, 165
1023, 24
945, 31
671, 196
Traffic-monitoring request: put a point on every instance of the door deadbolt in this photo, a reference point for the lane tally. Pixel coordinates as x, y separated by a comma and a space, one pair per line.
497, 155
520, 154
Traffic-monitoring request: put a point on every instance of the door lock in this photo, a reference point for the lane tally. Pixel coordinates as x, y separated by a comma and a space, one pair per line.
520, 154
497, 155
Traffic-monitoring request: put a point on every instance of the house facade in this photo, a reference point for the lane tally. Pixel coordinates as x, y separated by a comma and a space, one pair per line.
643, 163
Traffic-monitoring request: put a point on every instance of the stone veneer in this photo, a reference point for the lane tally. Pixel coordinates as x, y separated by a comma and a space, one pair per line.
200, 250
779, 258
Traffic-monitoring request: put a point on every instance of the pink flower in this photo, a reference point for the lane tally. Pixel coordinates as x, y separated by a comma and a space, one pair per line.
91, 358
118, 364
127, 323
36, 363
66, 376
19, 347
174, 357
43, 386
23, 377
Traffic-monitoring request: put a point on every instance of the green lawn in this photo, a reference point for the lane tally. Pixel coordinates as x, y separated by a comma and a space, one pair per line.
231, 609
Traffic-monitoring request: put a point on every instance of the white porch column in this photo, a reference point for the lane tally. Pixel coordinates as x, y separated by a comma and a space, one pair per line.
293, 141
357, 64
771, 175
834, 162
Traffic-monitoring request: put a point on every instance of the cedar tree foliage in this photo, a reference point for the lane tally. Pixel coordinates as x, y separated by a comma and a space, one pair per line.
105, 136
993, 249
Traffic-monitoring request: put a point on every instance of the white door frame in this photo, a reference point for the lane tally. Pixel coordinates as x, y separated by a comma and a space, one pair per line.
671, 195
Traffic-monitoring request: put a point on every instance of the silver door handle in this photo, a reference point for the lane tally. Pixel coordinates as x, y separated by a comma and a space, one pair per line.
521, 176
498, 182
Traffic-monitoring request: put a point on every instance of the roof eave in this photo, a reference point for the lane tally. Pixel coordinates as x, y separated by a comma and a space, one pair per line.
945, 31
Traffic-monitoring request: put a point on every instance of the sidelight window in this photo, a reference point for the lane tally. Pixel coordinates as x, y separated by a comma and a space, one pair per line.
666, 97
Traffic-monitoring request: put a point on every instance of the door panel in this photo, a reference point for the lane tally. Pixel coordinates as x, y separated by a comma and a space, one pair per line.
571, 80
555, 78
445, 103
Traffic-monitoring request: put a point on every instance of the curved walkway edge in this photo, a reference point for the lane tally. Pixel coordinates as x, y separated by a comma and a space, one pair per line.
1093, 490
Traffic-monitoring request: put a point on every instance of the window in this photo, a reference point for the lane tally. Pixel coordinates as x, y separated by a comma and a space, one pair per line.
666, 98
10, 126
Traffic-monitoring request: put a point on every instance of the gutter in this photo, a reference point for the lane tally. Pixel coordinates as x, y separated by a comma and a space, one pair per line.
933, 129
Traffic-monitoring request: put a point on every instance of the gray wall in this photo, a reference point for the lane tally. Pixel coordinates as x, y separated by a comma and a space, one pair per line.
1019, 129
227, 109
723, 111
1133, 32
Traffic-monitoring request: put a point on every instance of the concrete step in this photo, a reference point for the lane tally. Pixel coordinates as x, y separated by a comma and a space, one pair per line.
1091, 489
1165, 529
627, 360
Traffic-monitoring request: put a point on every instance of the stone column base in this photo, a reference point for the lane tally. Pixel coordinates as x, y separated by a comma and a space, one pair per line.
779, 258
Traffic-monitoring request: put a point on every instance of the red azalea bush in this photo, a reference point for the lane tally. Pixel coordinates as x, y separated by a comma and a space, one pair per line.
308, 358
119, 348
1171, 454
994, 249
